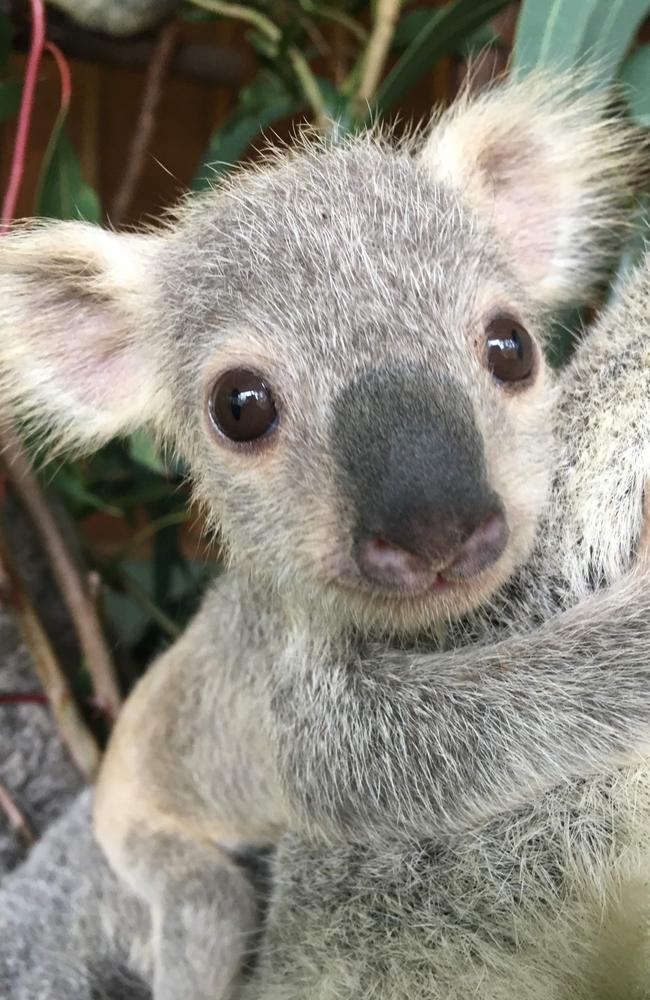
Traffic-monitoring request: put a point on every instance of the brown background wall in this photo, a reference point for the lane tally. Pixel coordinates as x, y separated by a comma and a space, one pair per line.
107, 98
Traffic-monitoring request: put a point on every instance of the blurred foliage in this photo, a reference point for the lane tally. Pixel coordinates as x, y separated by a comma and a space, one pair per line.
154, 578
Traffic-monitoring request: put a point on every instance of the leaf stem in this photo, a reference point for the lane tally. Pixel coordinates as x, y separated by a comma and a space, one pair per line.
381, 36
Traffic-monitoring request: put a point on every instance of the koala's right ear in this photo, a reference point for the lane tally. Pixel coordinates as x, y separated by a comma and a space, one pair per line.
548, 166
79, 356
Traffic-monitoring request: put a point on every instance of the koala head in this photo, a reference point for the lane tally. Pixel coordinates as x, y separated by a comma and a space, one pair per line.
346, 344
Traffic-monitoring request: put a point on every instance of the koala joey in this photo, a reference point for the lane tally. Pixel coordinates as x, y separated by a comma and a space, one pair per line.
346, 344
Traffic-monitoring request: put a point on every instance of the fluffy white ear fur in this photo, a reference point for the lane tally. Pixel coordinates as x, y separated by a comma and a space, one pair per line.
549, 168
78, 351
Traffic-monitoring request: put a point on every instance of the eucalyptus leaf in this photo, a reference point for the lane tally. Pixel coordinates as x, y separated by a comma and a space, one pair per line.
410, 25
635, 75
551, 32
69, 482
143, 450
260, 104
564, 33
444, 32
611, 30
64, 194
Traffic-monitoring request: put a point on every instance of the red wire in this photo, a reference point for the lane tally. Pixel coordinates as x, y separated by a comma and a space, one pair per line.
26, 698
37, 46
25, 115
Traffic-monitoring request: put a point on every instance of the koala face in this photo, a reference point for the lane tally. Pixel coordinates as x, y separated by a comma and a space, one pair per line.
346, 343
364, 392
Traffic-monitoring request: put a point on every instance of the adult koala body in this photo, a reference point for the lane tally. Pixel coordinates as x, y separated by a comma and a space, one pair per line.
544, 902
549, 901
346, 346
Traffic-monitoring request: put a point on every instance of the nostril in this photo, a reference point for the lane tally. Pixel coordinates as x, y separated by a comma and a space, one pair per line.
388, 564
433, 550
483, 547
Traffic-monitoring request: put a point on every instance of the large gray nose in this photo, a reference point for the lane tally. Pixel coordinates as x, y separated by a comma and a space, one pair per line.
411, 462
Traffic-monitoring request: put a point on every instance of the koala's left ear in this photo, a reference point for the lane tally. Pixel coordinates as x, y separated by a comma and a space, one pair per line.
81, 350
549, 169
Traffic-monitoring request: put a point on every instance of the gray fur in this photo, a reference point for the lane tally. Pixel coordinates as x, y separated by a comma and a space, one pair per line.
301, 698
550, 901
34, 767
68, 931
118, 17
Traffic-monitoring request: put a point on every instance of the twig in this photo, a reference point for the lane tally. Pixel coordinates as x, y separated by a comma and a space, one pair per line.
241, 13
381, 36
25, 114
73, 731
152, 528
310, 86
70, 581
16, 817
157, 72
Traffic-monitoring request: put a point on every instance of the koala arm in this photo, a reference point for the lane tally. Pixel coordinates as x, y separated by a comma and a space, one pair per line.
430, 743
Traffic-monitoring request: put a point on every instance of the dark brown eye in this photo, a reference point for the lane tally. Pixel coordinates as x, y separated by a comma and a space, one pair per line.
241, 405
510, 351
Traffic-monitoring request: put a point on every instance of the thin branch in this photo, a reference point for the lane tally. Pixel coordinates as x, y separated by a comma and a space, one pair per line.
72, 729
17, 819
310, 86
70, 581
157, 72
381, 36
240, 13
152, 528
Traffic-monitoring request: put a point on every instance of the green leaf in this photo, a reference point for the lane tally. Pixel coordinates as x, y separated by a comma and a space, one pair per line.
69, 483
263, 102
611, 31
550, 31
564, 33
635, 74
143, 450
63, 192
338, 110
409, 26
444, 32
10, 94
